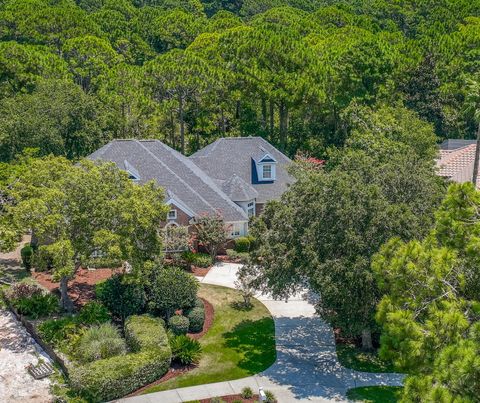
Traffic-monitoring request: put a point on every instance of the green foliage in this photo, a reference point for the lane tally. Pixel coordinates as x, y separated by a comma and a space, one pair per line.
36, 306
270, 397
247, 393
171, 288
197, 258
375, 394
241, 256
103, 263
122, 299
56, 331
199, 303
185, 350
196, 317
242, 244
115, 377
93, 313
337, 218
429, 313
145, 332
178, 324
27, 253
100, 342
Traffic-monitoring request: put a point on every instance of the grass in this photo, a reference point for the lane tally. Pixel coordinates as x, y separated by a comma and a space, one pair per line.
353, 357
375, 394
240, 343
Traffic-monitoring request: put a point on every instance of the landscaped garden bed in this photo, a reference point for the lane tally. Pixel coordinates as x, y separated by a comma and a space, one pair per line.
240, 343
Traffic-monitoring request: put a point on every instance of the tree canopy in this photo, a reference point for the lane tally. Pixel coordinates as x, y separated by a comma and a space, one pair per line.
287, 70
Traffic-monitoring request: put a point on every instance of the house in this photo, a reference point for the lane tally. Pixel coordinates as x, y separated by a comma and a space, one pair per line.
233, 177
456, 159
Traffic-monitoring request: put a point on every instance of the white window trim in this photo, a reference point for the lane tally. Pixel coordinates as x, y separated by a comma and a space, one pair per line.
175, 215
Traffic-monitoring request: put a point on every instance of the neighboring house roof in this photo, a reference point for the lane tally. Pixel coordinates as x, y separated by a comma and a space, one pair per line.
238, 190
182, 179
234, 155
453, 144
456, 164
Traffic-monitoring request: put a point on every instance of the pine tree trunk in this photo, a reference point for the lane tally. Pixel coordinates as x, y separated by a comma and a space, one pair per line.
172, 130
65, 300
264, 114
477, 155
272, 117
182, 124
283, 112
367, 344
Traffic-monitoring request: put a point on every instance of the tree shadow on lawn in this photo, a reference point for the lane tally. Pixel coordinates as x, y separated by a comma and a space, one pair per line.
255, 340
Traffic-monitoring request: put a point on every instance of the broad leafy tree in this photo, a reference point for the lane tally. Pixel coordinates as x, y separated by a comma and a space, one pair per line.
324, 231
76, 210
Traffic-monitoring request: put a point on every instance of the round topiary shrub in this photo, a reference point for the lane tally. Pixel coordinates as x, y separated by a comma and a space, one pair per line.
196, 316
199, 303
178, 324
242, 244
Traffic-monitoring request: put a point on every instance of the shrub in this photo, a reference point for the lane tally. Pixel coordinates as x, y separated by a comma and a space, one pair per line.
111, 378
55, 331
37, 306
100, 342
93, 313
247, 393
185, 350
171, 289
242, 244
120, 298
199, 303
27, 254
197, 259
145, 332
23, 290
179, 324
270, 397
217, 400
196, 318
241, 256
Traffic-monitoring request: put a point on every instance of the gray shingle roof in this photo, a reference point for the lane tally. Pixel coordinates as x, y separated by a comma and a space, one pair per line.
154, 160
233, 155
238, 190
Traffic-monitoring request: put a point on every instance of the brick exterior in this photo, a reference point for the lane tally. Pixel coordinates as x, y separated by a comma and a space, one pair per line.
259, 208
182, 217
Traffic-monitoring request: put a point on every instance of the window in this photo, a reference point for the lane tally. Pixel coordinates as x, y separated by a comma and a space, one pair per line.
236, 230
267, 172
251, 209
172, 214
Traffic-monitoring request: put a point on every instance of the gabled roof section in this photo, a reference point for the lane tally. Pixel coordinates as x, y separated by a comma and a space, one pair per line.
233, 156
238, 190
171, 170
133, 173
267, 158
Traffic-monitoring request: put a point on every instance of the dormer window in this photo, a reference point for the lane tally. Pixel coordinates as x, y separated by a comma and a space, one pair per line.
132, 172
267, 172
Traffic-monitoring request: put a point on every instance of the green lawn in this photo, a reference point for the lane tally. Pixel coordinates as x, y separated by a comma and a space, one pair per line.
353, 357
375, 394
240, 343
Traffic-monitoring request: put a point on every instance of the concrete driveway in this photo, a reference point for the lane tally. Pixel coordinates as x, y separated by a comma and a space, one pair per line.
306, 369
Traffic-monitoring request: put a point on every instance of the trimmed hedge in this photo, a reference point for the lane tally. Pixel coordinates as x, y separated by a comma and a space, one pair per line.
196, 316
178, 324
115, 377
27, 256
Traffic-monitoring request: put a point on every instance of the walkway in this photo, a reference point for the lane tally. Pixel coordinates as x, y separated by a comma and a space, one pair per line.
306, 369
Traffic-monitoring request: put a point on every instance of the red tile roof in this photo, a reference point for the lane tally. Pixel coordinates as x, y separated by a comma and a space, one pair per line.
457, 164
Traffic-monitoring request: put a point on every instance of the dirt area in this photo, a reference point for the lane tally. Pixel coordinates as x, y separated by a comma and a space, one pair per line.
17, 350
82, 288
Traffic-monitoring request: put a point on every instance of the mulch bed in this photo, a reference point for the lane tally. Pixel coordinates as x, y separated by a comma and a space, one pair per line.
81, 288
177, 369
200, 271
233, 398
209, 314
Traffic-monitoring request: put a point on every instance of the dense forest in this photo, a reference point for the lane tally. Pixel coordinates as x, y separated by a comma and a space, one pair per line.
75, 74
